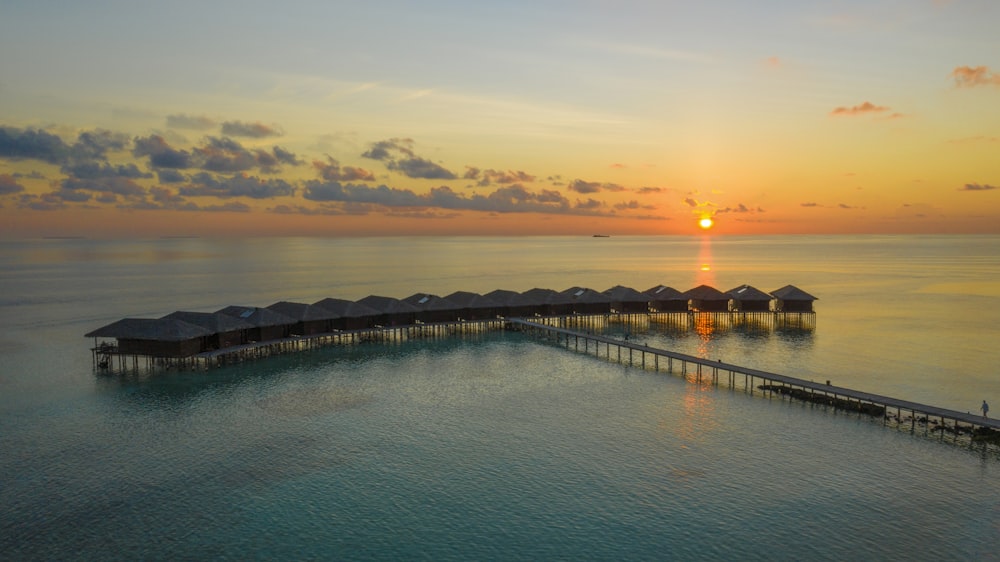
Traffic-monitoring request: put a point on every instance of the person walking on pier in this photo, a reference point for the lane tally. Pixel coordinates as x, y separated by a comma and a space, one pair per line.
986, 409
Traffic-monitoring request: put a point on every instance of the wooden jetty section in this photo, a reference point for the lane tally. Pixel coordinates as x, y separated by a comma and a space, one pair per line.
752, 380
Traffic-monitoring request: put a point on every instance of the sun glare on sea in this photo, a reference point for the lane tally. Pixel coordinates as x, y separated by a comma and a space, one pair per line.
706, 223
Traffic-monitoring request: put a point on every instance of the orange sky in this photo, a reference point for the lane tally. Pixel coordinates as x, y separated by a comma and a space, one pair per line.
624, 118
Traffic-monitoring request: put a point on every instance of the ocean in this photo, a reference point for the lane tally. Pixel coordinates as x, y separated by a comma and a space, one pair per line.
496, 446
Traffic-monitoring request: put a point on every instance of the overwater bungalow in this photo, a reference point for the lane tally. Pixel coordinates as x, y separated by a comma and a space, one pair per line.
473, 306
706, 299
309, 318
512, 303
792, 299
627, 300
226, 331
433, 308
588, 301
267, 324
746, 298
391, 311
348, 315
547, 302
666, 299
153, 337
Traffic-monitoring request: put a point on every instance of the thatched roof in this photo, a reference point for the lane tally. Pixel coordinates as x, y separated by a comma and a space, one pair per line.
792, 293
583, 294
466, 299
212, 321
388, 305
302, 312
664, 293
155, 329
428, 302
259, 317
537, 296
509, 298
705, 293
342, 308
746, 293
620, 293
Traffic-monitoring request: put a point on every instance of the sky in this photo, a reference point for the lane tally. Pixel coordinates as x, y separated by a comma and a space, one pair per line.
248, 118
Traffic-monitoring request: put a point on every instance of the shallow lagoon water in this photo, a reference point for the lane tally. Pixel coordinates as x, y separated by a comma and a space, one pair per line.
486, 447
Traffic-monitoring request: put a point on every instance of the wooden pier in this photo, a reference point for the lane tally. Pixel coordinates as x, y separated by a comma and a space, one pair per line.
753, 380
579, 333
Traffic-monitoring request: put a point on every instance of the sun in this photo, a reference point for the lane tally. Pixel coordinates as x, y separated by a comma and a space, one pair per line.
706, 223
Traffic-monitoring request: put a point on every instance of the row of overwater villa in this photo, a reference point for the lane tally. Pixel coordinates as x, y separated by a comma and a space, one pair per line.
238, 333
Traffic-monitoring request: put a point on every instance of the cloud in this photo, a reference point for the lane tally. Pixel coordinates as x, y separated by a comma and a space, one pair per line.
161, 154
224, 155
847, 207
8, 185
422, 215
633, 205
399, 156
866, 107
170, 176
252, 130
490, 176
581, 186
741, 208
205, 185
507, 199
383, 150
95, 170
331, 170
216, 154
44, 202
109, 184
977, 187
165, 196
37, 144
32, 143
420, 168
285, 157
589, 204
228, 207
195, 122
300, 210
95, 144
72, 195
811, 204
969, 76
650, 189
382, 195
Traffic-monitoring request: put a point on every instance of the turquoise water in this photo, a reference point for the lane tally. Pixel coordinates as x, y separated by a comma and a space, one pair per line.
494, 447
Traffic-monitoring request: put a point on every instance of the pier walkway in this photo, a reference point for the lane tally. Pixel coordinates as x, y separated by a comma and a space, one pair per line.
649, 357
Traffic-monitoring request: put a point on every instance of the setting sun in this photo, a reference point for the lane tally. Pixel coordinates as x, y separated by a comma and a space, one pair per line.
706, 223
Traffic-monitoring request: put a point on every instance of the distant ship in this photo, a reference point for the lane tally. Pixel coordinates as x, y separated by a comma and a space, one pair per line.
602, 236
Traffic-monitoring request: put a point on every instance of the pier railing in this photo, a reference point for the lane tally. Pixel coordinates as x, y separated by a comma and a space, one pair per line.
713, 371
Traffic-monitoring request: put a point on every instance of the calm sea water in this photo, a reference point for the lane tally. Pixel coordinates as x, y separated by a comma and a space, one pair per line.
496, 447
